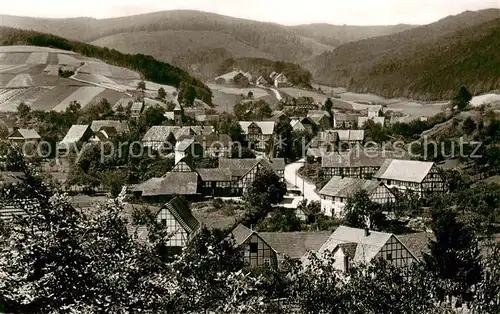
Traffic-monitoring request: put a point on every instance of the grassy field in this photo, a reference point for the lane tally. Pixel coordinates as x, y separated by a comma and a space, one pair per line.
30, 74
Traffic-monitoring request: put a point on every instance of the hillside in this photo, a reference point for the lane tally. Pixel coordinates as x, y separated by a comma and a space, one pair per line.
167, 34
336, 35
149, 68
426, 63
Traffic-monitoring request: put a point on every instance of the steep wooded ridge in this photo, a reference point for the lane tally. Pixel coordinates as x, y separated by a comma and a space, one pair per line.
152, 69
425, 63
167, 34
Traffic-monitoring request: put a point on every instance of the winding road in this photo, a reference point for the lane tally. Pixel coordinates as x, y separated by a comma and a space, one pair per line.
308, 189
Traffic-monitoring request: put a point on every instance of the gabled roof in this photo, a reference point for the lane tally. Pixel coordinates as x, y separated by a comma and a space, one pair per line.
26, 134
367, 247
180, 210
404, 170
214, 140
351, 135
267, 127
359, 158
121, 127
295, 244
170, 115
417, 243
172, 183
297, 125
11, 177
345, 187
277, 164
241, 234
349, 249
215, 174
75, 134
184, 144
313, 112
158, 133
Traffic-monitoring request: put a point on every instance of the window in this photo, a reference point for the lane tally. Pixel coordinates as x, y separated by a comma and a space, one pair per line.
267, 261
389, 182
389, 256
164, 222
253, 247
346, 263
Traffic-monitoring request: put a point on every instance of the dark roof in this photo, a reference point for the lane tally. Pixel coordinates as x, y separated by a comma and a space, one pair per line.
241, 234
214, 174
349, 249
238, 166
295, 244
179, 208
417, 243
346, 187
277, 163
215, 220
214, 140
358, 158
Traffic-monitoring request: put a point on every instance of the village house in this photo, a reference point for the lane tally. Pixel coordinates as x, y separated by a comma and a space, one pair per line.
279, 116
333, 140
258, 133
281, 80
181, 181
157, 137
372, 115
352, 247
345, 120
303, 124
321, 118
136, 110
356, 163
188, 148
23, 136
112, 128
256, 251
335, 193
261, 81
294, 245
176, 115
215, 145
74, 139
180, 222
304, 103
418, 176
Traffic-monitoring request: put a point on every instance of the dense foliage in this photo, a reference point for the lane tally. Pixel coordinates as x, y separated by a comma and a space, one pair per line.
425, 63
154, 70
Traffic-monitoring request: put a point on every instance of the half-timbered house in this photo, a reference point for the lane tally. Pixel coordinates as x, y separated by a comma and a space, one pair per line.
335, 193
356, 163
418, 176
352, 246
258, 133
256, 251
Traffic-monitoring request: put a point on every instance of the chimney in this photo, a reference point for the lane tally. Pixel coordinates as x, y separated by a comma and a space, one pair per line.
367, 232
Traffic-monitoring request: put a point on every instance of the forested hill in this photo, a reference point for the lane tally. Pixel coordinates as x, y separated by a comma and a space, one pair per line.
152, 69
426, 63
168, 34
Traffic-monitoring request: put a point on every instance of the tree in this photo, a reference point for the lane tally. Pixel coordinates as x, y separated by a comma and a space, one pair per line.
141, 86
241, 80
281, 220
23, 112
328, 105
60, 259
242, 152
161, 93
187, 94
469, 126
454, 255
462, 99
250, 94
361, 212
487, 295
267, 188
284, 145
153, 116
